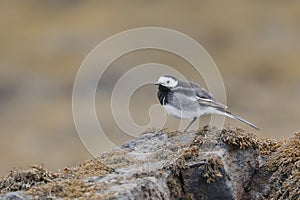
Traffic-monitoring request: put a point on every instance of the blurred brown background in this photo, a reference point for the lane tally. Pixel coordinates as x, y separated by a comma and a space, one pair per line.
255, 44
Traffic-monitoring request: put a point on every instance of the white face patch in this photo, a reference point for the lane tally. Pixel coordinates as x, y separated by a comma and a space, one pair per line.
167, 82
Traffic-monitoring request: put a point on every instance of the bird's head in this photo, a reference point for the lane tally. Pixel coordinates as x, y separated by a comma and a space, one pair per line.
167, 81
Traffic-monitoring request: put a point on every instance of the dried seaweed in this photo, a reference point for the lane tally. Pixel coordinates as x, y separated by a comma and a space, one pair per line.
23, 180
238, 138
181, 161
38, 181
285, 163
268, 146
211, 169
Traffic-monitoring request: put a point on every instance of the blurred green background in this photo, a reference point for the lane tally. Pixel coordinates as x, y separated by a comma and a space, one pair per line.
255, 44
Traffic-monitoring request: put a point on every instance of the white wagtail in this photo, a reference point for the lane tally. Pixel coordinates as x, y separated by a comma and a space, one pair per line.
188, 100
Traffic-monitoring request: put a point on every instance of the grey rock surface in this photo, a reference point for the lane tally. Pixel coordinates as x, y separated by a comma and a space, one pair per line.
175, 165
14, 196
162, 164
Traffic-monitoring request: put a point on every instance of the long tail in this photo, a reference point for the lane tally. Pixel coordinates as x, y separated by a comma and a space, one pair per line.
240, 119
228, 114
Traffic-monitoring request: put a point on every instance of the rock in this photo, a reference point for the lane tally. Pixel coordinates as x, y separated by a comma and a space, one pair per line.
279, 175
204, 164
14, 196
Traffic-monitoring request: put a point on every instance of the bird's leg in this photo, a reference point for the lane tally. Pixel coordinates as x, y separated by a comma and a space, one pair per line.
194, 119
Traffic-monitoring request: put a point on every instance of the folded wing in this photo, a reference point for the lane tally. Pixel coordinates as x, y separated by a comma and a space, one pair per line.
204, 97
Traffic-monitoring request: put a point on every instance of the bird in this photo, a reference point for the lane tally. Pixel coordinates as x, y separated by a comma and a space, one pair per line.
188, 100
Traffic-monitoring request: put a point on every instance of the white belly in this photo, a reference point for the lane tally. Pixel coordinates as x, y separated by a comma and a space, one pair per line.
188, 114
181, 114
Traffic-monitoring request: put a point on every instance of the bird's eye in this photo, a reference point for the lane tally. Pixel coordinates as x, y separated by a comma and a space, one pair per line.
168, 82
